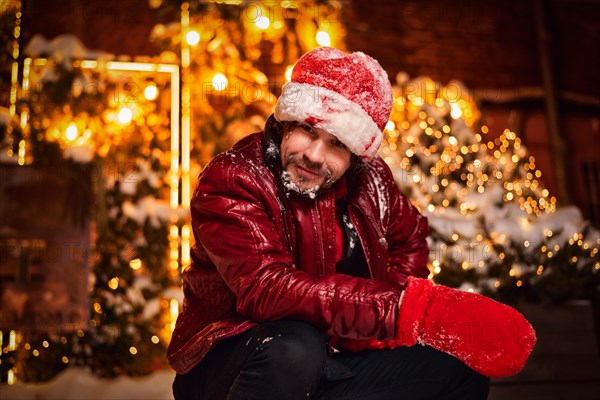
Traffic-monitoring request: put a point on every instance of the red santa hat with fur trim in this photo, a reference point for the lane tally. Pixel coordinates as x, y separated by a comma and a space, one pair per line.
347, 95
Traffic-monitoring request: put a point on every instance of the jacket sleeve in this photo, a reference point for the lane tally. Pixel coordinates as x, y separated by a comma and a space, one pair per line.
408, 230
240, 228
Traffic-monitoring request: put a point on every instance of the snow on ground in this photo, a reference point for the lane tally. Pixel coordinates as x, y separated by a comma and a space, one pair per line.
79, 384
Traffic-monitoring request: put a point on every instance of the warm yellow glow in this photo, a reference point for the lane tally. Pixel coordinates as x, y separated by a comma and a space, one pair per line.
71, 133
219, 82
151, 92
174, 312
65, 359
390, 126
185, 245
10, 378
288, 73
455, 111
192, 38
540, 269
88, 64
133, 350
262, 22
125, 116
323, 38
155, 339
113, 283
21, 153
12, 341
135, 264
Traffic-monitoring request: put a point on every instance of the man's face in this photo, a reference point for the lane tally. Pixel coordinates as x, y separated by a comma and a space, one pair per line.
312, 159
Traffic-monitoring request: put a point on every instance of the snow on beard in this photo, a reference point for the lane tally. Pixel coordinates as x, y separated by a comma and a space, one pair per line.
324, 171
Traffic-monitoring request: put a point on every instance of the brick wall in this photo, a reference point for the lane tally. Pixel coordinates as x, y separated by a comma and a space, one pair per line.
114, 26
474, 41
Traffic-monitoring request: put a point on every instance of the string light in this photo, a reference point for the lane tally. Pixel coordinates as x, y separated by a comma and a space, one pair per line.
323, 38
71, 132
151, 92
288, 73
219, 82
135, 264
262, 22
113, 283
193, 38
125, 116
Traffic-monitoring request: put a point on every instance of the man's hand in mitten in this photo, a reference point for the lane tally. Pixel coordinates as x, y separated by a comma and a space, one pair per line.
491, 338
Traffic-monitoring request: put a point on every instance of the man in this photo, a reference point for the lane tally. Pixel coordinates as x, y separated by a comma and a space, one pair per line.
308, 273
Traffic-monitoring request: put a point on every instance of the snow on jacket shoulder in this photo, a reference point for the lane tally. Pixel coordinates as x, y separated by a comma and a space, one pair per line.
262, 254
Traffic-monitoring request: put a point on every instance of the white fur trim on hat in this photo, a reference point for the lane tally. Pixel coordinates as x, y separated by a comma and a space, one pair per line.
333, 113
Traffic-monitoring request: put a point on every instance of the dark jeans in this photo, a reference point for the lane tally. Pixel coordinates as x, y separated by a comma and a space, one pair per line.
288, 360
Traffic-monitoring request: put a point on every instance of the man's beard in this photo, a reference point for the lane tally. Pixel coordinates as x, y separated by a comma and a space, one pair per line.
303, 185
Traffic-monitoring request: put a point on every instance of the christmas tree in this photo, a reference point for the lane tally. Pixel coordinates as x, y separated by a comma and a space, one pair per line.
494, 228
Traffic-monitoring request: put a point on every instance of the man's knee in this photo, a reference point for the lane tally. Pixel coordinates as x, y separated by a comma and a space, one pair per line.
294, 346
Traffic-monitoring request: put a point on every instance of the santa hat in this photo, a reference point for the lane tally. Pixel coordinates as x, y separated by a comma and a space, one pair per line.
347, 95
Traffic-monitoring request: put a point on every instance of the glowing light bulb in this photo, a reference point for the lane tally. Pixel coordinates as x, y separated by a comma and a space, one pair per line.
323, 38
219, 82
192, 38
262, 22
151, 92
113, 283
125, 116
456, 111
135, 264
71, 133
288, 73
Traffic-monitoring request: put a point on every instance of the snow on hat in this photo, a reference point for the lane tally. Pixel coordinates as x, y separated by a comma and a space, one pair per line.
347, 95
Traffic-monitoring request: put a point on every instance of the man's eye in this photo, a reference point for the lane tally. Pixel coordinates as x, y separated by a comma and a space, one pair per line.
307, 128
340, 145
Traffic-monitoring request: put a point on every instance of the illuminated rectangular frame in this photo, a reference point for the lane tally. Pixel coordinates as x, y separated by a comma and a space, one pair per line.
180, 147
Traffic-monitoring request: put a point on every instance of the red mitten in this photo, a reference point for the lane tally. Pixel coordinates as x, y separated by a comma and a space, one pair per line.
491, 338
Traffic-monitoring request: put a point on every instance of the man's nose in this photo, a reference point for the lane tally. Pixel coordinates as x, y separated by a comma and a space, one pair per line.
315, 152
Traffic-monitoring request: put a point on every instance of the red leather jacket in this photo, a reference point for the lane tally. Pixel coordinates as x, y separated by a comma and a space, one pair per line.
262, 253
